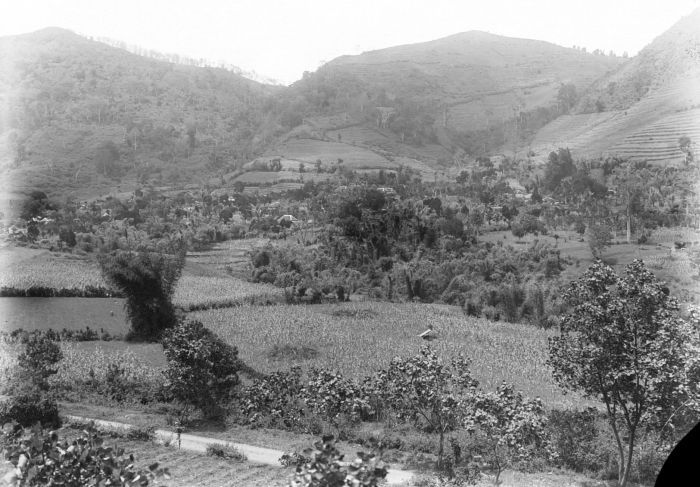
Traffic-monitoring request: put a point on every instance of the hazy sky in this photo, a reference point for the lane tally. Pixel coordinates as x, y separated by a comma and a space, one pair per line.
282, 39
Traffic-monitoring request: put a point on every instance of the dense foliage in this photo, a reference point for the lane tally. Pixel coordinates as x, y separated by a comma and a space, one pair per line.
325, 469
202, 369
147, 280
40, 458
625, 344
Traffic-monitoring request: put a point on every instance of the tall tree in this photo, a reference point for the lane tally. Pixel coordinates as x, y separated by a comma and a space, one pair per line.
624, 343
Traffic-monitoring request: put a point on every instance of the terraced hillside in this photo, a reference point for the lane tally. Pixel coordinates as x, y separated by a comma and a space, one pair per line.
643, 109
648, 130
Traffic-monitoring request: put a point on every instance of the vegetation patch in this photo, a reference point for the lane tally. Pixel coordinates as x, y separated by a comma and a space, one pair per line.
226, 451
292, 352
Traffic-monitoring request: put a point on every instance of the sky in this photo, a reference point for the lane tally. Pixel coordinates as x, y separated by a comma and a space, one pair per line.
281, 39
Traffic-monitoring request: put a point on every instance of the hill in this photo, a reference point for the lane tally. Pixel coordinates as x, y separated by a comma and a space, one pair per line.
82, 117
642, 109
475, 78
422, 105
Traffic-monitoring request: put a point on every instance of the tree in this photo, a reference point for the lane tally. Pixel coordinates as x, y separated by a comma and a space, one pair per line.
509, 425
567, 96
624, 343
599, 237
422, 388
147, 280
202, 369
106, 158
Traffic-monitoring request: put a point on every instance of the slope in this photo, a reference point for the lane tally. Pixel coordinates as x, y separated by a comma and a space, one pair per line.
81, 117
641, 110
417, 105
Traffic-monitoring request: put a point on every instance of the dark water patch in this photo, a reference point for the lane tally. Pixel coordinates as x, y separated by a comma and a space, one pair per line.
30, 313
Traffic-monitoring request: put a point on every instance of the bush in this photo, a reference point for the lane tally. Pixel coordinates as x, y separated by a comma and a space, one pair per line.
38, 360
228, 452
28, 407
325, 468
202, 369
574, 436
42, 459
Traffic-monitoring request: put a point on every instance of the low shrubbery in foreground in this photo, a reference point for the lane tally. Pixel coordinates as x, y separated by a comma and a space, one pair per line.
41, 458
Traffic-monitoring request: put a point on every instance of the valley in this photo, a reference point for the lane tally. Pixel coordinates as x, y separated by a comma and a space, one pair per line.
428, 252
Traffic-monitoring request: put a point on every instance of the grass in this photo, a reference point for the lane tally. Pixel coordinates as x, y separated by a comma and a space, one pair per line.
357, 339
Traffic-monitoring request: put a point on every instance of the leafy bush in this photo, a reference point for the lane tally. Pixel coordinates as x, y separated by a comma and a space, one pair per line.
326, 470
42, 459
202, 369
510, 427
574, 436
294, 459
423, 389
275, 398
330, 396
30, 406
38, 361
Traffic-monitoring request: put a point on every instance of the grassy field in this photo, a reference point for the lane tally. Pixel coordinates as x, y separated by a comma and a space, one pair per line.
359, 338
24, 268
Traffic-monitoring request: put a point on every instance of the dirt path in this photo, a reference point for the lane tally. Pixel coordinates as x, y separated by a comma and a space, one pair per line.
255, 454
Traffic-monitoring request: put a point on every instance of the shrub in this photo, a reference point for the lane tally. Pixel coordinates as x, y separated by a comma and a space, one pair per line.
202, 369
42, 459
226, 451
325, 468
275, 397
574, 436
39, 359
508, 426
30, 406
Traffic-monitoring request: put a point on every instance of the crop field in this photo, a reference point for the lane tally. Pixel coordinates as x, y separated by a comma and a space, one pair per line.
204, 284
51, 272
84, 361
359, 338
354, 157
199, 292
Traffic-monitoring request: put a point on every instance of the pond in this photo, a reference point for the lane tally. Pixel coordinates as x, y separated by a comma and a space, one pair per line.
58, 313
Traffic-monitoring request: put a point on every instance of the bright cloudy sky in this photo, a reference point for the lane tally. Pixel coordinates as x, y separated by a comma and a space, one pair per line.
282, 39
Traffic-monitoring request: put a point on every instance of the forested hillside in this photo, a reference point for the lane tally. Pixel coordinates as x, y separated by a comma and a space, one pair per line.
454, 91
83, 116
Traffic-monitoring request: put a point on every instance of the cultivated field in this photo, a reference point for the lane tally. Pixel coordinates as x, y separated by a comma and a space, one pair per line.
359, 338
25, 268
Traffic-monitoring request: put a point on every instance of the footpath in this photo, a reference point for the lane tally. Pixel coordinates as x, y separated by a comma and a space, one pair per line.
255, 454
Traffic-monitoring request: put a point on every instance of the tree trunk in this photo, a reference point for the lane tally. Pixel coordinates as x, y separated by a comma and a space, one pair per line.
620, 451
628, 467
629, 226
